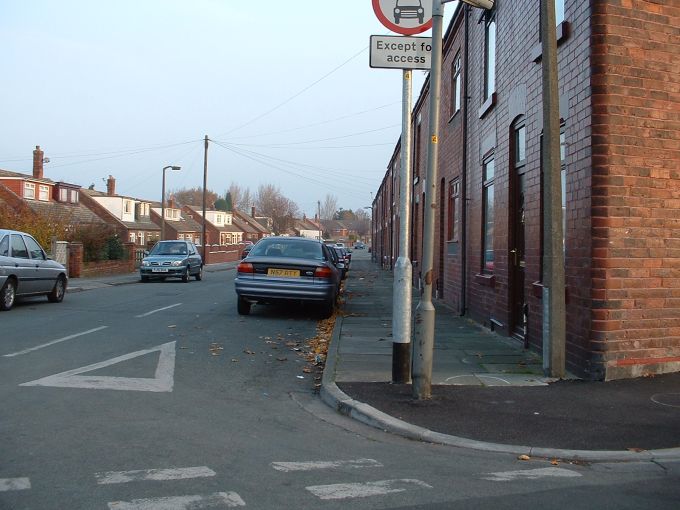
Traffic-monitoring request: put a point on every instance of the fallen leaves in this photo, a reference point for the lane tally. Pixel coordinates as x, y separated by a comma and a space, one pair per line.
524, 457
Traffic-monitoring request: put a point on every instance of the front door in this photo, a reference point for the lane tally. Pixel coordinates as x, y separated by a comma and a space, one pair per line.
517, 261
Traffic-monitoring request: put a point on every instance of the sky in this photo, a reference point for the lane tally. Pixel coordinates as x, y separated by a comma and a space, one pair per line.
283, 90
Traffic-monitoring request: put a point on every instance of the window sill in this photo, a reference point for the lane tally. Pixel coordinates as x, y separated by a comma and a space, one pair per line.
454, 115
487, 280
563, 32
488, 104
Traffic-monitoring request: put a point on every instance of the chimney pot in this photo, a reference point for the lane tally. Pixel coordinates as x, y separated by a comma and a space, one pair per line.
38, 162
111, 186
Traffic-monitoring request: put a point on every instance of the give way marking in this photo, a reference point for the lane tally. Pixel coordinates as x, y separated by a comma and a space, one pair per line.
364, 490
196, 502
163, 380
531, 474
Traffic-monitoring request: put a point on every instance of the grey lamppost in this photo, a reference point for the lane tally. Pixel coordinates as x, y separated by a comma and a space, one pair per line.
171, 167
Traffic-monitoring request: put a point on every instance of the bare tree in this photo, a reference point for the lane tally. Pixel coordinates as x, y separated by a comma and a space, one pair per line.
362, 222
329, 206
241, 198
193, 196
269, 201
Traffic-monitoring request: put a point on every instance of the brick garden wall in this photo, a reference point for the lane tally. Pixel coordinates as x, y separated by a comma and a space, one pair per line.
636, 186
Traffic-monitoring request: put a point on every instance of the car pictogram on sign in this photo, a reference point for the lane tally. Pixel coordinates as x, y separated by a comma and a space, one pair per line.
409, 9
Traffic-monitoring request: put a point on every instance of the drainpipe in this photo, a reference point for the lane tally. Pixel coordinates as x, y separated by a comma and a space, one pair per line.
463, 181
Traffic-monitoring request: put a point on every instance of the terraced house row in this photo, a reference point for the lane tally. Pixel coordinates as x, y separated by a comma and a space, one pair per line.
619, 76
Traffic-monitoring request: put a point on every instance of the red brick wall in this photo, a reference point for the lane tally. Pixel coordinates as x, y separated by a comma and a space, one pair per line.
636, 186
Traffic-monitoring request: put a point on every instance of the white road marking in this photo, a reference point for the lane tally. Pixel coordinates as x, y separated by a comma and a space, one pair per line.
163, 381
110, 477
197, 502
70, 337
363, 490
309, 466
14, 484
158, 310
531, 474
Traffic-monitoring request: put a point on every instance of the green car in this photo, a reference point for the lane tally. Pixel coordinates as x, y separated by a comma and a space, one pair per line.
172, 259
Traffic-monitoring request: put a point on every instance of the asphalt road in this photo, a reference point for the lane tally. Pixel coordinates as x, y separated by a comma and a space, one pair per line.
159, 396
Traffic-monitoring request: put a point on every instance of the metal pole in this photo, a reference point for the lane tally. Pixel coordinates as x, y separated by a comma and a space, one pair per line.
554, 307
403, 271
163, 207
205, 184
424, 320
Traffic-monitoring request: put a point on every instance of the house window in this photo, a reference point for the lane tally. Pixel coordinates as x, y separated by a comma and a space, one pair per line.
563, 184
29, 190
63, 195
487, 216
43, 193
141, 238
490, 57
454, 202
520, 145
416, 151
456, 89
133, 236
227, 219
559, 11
127, 206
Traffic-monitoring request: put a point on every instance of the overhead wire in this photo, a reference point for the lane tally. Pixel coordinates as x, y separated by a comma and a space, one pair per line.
305, 89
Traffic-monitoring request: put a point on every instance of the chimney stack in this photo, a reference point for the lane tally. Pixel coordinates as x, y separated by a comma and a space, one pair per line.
111, 186
38, 162
171, 202
252, 212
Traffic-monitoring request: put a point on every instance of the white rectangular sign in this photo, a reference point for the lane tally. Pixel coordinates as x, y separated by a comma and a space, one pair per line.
400, 52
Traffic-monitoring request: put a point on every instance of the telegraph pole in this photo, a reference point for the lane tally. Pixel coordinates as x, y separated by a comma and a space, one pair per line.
554, 306
424, 320
205, 184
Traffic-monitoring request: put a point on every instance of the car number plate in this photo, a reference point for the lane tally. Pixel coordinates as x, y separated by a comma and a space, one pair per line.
291, 273
159, 269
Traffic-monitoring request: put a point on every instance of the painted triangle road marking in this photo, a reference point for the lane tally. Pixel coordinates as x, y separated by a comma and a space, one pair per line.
163, 381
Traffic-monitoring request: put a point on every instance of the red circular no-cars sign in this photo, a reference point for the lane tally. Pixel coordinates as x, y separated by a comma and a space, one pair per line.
406, 17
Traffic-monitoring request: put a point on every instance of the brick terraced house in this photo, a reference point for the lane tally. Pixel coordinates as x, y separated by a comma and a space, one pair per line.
619, 70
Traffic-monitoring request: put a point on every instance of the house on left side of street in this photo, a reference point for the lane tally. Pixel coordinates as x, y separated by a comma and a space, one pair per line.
36, 196
130, 217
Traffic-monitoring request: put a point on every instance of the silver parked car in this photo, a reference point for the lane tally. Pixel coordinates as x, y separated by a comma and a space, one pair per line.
172, 259
26, 270
287, 269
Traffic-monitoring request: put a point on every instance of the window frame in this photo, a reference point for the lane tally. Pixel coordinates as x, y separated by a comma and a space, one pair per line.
456, 85
29, 190
489, 85
488, 190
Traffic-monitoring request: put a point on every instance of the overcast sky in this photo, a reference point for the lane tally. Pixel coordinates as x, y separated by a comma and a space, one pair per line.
125, 88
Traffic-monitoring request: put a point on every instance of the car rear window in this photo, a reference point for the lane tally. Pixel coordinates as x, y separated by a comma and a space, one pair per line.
289, 249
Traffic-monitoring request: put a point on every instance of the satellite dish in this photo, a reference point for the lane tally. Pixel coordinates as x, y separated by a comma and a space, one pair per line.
46, 160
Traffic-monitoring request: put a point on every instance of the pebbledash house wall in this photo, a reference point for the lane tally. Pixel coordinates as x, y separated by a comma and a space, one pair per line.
619, 70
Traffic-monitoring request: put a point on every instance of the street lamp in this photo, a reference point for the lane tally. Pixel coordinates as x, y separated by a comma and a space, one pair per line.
171, 167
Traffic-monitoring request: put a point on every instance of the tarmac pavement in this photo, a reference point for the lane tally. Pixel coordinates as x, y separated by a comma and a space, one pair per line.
488, 392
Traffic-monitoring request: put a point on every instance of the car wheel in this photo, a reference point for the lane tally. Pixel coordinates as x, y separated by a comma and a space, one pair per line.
8, 295
57, 294
242, 306
199, 275
327, 309
185, 275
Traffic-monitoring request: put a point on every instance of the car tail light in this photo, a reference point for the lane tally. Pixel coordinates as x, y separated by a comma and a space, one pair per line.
245, 267
323, 272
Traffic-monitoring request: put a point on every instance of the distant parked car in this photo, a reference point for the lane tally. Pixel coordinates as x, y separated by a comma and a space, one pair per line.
287, 269
172, 259
339, 261
26, 270
359, 246
245, 251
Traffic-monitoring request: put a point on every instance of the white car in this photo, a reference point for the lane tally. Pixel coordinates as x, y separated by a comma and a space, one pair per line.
26, 270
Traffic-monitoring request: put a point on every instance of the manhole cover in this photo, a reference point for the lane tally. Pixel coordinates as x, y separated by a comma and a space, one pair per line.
667, 399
